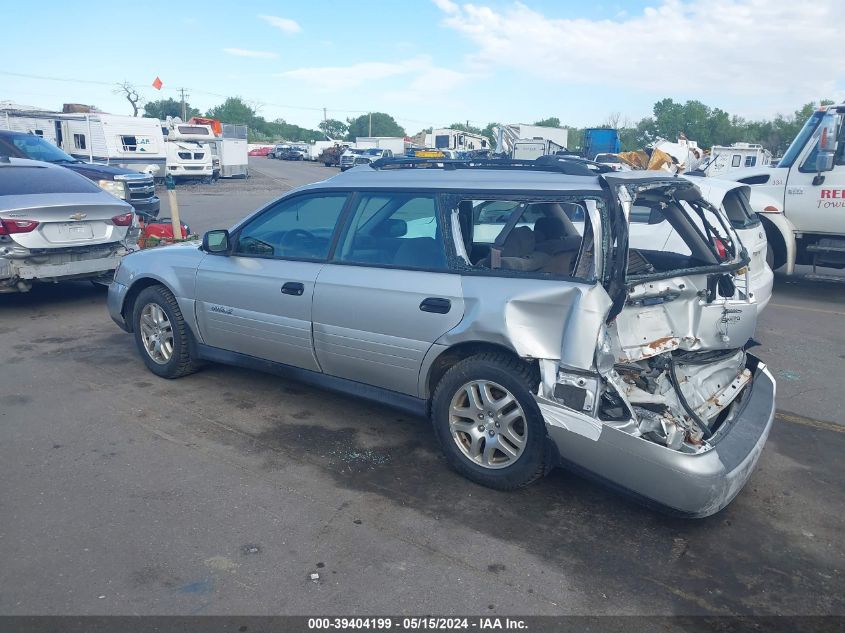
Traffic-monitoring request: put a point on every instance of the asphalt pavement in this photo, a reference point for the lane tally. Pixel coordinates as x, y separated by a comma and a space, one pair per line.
223, 492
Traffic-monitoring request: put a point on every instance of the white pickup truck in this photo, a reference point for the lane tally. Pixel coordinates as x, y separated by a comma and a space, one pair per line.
801, 201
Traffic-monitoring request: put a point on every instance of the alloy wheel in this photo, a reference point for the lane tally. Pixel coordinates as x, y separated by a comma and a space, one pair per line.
156, 333
488, 424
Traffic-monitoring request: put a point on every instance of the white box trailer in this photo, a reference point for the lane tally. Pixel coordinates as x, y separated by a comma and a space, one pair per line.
558, 135
130, 142
395, 144
507, 136
233, 151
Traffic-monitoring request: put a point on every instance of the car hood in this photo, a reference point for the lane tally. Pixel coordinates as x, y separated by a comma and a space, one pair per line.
95, 171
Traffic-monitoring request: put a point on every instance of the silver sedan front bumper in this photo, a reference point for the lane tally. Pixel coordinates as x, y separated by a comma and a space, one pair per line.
114, 302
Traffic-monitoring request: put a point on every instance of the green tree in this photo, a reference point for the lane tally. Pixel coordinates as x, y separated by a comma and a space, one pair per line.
333, 128
282, 130
164, 108
552, 121
490, 133
234, 110
382, 125
466, 127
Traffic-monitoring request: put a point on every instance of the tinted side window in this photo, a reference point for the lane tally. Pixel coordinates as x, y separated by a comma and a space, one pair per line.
399, 230
298, 228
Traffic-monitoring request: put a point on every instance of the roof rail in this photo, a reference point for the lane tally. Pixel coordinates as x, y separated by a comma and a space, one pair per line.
554, 164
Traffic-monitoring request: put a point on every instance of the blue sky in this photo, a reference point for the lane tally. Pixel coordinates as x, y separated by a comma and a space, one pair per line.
430, 62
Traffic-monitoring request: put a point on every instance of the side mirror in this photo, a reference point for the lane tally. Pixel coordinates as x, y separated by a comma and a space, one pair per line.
216, 241
824, 161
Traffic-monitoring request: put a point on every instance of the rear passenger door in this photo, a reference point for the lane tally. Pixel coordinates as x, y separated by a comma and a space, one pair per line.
387, 294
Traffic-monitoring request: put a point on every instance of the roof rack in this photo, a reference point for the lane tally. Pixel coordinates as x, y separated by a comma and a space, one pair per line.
554, 164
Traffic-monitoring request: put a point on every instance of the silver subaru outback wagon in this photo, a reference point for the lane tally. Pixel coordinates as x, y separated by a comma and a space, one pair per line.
502, 300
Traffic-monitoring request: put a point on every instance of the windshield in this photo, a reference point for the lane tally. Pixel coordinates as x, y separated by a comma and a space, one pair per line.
800, 140
373, 152
37, 148
193, 130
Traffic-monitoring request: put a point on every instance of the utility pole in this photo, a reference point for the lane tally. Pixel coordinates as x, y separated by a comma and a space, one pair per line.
184, 105
371, 125
324, 114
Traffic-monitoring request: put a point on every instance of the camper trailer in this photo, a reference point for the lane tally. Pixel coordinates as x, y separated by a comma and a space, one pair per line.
531, 149
724, 158
447, 138
123, 141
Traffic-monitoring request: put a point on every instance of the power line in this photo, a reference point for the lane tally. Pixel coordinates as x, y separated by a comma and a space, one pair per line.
323, 110
75, 81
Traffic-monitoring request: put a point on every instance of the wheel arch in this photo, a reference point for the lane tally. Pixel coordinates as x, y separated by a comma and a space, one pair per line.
447, 358
780, 240
138, 286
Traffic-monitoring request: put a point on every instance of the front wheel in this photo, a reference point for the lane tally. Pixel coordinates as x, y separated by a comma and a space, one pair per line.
161, 334
488, 424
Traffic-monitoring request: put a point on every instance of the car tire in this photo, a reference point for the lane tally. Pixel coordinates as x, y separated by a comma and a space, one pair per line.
161, 334
487, 451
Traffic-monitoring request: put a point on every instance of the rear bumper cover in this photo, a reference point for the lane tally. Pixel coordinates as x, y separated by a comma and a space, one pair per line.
686, 484
86, 267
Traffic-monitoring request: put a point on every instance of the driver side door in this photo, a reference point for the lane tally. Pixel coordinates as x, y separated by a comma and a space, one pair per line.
256, 300
817, 208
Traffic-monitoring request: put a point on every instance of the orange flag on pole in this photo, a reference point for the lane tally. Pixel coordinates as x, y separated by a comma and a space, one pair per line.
157, 84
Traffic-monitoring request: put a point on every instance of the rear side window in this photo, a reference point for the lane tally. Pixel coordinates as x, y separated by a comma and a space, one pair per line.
398, 230
739, 211
17, 180
533, 237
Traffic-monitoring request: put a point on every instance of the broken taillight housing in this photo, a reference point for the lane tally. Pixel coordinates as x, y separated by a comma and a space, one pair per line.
720, 248
7, 227
124, 219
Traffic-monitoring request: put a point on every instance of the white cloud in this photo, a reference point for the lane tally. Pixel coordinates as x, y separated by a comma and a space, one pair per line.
285, 25
243, 52
716, 49
447, 6
420, 70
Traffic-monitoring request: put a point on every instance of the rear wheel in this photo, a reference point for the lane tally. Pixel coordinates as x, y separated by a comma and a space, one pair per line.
161, 334
488, 423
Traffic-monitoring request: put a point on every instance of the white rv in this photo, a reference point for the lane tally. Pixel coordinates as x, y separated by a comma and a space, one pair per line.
130, 142
189, 152
447, 138
724, 158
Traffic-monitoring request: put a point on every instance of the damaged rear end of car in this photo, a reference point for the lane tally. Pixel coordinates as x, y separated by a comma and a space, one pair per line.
56, 225
670, 407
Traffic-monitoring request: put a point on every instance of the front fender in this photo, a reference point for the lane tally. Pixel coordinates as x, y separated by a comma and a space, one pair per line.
174, 267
